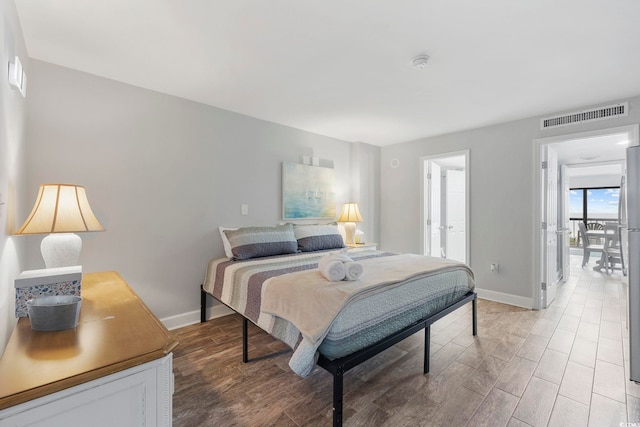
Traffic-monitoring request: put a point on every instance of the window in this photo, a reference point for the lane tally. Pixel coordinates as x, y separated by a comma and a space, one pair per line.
594, 204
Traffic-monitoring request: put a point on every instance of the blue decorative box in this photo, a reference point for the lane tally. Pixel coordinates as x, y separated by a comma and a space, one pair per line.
48, 281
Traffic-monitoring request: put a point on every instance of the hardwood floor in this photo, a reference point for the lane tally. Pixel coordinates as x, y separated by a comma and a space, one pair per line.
563, 366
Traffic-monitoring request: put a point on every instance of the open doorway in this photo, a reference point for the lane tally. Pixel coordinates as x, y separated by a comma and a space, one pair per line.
559, 158
445, 205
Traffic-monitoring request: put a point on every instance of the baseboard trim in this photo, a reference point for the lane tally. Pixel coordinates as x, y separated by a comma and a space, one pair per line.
192, 317
505, 298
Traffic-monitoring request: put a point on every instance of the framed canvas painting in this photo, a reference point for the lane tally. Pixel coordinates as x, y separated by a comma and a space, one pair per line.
308, 192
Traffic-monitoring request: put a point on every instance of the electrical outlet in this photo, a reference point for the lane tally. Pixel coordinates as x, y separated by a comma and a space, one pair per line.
495, 267
244, 209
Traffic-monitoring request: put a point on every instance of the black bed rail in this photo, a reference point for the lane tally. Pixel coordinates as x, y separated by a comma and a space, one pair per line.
245, 321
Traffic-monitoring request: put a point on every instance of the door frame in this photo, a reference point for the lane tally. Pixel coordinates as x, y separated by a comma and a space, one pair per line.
630, 130
550, 209
424, 200
563, 219
433, 200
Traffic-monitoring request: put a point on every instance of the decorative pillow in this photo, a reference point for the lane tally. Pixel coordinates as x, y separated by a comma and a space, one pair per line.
225, 241
318, 237
255, 242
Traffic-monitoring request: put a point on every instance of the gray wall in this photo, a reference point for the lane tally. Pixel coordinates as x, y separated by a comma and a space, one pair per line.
162, 173
502, 173
12, 170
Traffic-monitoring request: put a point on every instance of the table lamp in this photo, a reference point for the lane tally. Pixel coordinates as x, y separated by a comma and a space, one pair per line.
350, 215
61, 210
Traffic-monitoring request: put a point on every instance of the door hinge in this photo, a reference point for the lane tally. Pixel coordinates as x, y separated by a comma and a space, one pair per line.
428, 222
544, 165
544, 286
544, 225
429, 175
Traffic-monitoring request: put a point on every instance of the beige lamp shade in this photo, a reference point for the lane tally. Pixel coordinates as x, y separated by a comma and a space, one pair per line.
60, 208
350, 213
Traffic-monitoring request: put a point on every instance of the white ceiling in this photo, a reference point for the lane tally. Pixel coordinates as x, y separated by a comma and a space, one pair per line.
599, 149
342, 68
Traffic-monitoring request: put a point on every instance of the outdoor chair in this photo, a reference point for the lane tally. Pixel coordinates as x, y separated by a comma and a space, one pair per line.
587, 246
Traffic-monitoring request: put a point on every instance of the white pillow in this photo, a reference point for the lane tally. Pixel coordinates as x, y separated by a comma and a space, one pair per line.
225, 241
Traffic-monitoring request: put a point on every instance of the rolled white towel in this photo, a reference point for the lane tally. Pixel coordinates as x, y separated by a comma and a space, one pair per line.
354, 270
332, 267
333, 271
333, 256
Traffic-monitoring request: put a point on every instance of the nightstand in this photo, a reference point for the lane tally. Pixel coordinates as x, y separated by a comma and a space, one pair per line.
114, 368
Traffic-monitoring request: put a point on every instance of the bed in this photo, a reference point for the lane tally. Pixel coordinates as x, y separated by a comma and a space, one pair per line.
336, 325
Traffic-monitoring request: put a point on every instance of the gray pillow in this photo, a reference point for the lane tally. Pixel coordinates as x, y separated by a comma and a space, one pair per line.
318, 237
256, 242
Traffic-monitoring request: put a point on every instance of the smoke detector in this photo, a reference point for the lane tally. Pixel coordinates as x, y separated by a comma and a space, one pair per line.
420, 61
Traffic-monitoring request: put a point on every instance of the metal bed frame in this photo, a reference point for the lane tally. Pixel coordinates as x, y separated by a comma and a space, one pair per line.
338, 367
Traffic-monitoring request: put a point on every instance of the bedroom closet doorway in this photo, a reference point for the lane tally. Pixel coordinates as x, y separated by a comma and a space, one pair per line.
445, 205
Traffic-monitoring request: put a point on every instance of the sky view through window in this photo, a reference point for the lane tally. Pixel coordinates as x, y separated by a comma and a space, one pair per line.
601, 202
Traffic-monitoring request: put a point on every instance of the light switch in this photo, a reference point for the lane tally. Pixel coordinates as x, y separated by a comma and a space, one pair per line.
244, 209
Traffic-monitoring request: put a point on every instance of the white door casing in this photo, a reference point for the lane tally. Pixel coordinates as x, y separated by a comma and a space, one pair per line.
633, 133
433, 201
549, 224
565, 222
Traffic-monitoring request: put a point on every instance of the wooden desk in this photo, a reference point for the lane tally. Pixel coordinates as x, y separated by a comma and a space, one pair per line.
115, 332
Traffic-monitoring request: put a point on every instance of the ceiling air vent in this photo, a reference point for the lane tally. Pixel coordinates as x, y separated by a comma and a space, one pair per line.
600, 113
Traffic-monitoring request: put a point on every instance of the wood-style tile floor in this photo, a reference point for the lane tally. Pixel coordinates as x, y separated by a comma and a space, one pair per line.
563, 366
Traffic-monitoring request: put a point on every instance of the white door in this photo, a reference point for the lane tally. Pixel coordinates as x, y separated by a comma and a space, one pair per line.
565, 221
456, 213
434, 182
549, 224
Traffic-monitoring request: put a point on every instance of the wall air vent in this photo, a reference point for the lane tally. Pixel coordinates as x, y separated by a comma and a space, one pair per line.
600, 113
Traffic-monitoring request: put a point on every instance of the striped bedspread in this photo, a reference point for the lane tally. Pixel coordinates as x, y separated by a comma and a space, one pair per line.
242, 286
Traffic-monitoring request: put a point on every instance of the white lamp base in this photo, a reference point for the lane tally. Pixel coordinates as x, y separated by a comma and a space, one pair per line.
350, 232
61, 249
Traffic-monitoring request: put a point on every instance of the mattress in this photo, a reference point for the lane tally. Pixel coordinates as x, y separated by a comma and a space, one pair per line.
360, 323
369, 320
